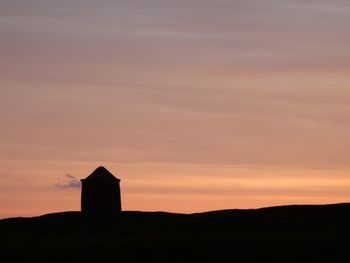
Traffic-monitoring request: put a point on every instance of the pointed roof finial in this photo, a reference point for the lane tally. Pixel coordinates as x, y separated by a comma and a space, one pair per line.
101, 173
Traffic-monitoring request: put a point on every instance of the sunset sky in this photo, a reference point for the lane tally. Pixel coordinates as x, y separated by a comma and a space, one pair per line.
194, 104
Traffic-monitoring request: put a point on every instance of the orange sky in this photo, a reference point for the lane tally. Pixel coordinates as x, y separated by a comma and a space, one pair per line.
194, 105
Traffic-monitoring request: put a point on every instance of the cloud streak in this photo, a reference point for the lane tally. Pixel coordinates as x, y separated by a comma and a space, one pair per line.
68, 182
218, 82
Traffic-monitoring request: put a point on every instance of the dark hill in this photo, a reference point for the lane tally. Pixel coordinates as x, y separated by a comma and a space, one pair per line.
307, 233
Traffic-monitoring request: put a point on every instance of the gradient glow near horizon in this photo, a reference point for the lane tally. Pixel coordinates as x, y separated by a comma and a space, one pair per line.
194, 105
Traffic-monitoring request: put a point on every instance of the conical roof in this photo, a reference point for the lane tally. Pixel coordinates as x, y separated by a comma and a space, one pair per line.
101, 173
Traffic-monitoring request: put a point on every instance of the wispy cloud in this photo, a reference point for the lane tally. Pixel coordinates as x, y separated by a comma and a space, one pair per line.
224, 82
68, 182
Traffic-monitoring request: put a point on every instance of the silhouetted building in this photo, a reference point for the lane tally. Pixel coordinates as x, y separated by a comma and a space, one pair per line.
100, 193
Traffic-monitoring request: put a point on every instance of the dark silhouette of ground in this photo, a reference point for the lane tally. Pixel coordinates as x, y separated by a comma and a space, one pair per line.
277, 234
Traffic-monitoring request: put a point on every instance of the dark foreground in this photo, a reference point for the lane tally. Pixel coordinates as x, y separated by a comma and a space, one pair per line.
276, 234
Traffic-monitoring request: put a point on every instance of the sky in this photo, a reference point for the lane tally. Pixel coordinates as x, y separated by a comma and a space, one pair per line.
195, 105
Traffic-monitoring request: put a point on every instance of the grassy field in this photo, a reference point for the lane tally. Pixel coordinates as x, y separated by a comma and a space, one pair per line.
276, 234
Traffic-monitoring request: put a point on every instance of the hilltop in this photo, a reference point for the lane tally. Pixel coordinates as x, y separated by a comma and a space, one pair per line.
298, 233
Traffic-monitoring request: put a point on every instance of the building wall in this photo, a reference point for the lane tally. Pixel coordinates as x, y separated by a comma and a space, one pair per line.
100, 196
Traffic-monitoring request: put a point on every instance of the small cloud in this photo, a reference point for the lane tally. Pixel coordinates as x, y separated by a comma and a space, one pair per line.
70, 176
68, 182
3, 175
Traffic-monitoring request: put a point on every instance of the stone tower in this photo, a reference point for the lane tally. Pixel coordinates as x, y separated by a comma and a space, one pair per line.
100, 193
